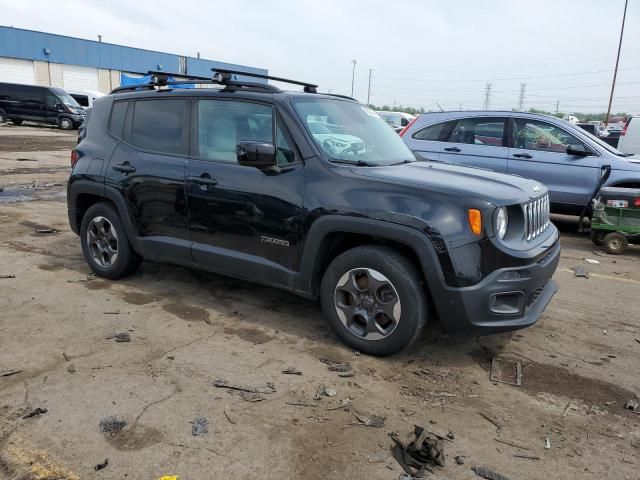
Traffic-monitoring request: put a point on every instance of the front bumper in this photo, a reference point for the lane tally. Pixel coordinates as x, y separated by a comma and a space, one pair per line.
507, 299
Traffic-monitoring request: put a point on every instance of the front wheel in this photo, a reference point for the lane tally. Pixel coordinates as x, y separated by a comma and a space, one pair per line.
105, 245
65, 123
374, 299
615, 243
17, 121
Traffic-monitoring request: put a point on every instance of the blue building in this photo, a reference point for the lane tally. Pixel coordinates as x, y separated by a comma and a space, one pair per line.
39, 58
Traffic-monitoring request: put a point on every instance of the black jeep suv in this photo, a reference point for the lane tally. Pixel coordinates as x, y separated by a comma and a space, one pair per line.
315, 194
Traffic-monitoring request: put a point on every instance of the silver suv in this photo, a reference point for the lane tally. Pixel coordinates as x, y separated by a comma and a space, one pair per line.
567, 159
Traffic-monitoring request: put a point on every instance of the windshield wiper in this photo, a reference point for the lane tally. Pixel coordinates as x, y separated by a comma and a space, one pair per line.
402, 162
357, 163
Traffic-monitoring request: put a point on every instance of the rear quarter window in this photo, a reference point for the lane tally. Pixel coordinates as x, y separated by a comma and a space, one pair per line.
436, 133
118, 115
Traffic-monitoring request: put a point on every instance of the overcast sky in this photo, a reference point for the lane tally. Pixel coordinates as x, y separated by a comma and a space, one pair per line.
421, 52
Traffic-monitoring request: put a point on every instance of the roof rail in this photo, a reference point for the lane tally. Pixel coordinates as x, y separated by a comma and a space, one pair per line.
225, 76
221, 77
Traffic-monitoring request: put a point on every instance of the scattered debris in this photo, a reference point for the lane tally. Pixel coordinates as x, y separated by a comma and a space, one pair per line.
566, 410
252, 396
169, 477
378, 457
200, 426
506, 371
488, 474
632, 405
46, 230
8, 373
336, 366
301, 403
512, 444
324, 391
112, 425
374, 421
450, 435
460, 459
291, 371
35, 413
232, 420
222, 383
71, 368
102, 466
66, 357
417, 455
350, 373
599, 253
547, 443
592, 261
489, 419
580, 272
120, 337
344, 404
529, 457
8, 276
111, 313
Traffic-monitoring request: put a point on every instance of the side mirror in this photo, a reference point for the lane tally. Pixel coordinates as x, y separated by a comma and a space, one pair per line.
59, 106
261, 155
404, 122
578, 150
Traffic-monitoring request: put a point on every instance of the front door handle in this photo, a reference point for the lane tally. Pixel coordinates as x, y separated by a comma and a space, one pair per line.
452, 149
204, 181
124, 167
522, 155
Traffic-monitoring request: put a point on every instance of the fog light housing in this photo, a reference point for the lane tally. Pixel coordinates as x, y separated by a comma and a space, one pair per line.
507, 303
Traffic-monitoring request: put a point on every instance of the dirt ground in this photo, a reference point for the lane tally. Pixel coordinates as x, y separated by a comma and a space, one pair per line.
580, 366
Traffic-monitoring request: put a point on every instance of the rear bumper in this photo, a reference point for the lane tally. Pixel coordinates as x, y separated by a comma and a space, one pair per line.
507, 299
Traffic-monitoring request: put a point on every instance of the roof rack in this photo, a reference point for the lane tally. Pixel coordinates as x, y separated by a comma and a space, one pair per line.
221, 77
224, 76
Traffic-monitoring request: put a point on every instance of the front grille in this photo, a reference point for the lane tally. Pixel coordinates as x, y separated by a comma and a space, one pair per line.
536, 217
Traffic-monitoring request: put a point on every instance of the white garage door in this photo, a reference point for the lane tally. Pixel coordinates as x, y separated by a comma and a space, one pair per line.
17, 71
79, 78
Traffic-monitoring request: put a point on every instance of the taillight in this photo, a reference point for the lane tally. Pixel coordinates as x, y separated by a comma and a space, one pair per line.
624, 129
404, 130
74, 158
636, 203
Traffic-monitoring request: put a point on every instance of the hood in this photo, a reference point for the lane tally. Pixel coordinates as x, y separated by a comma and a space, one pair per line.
497, 188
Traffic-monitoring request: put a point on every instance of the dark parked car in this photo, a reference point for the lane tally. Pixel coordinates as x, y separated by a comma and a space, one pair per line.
565, 158
242, 181
39, 104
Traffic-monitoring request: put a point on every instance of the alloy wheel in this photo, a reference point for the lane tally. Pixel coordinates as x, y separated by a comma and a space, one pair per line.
102, 241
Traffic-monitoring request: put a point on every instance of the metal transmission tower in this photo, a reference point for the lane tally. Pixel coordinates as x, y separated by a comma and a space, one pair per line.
369, 89
523, 87
353, 75
487, 96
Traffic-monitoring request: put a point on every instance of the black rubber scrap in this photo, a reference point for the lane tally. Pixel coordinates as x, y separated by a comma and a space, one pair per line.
35, 413
101, 466
484, 472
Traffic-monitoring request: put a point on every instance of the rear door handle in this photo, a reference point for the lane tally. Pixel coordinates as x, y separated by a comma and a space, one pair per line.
452, 149
124, 167
204, 180
522, 155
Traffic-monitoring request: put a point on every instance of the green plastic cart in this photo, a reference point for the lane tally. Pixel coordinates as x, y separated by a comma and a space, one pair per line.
615, 221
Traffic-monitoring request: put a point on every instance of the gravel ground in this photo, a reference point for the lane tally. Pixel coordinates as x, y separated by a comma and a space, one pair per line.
579, 364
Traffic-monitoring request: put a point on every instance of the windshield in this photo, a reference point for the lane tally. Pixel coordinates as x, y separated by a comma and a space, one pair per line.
351, 133
67, 99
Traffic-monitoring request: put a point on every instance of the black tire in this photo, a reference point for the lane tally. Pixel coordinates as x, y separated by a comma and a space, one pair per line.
615, 243
65, 123
3, 116
406, 285
126, 260
16, 121
597, 237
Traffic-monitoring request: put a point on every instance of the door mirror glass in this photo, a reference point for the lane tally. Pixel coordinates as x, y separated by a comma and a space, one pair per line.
261, 155
578, 150
59, 106
404, 122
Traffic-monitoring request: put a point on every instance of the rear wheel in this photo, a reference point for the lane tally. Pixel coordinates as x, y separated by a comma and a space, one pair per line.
105, 245
374, 299
615, 243
65, 123
16, 121
597, 237
3, 116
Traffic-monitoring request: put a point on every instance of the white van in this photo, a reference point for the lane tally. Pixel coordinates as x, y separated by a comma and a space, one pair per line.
630, 137
85, 97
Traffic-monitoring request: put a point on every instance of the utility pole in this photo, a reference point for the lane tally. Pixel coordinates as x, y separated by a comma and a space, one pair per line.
460, 106
523, 87
369, 89
353, 75
557, 106
487, 96
615, 72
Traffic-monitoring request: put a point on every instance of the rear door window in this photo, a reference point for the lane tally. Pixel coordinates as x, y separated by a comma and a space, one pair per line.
479, 131
161, 126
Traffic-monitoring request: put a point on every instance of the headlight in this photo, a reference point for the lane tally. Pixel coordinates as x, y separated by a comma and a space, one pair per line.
502, 222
